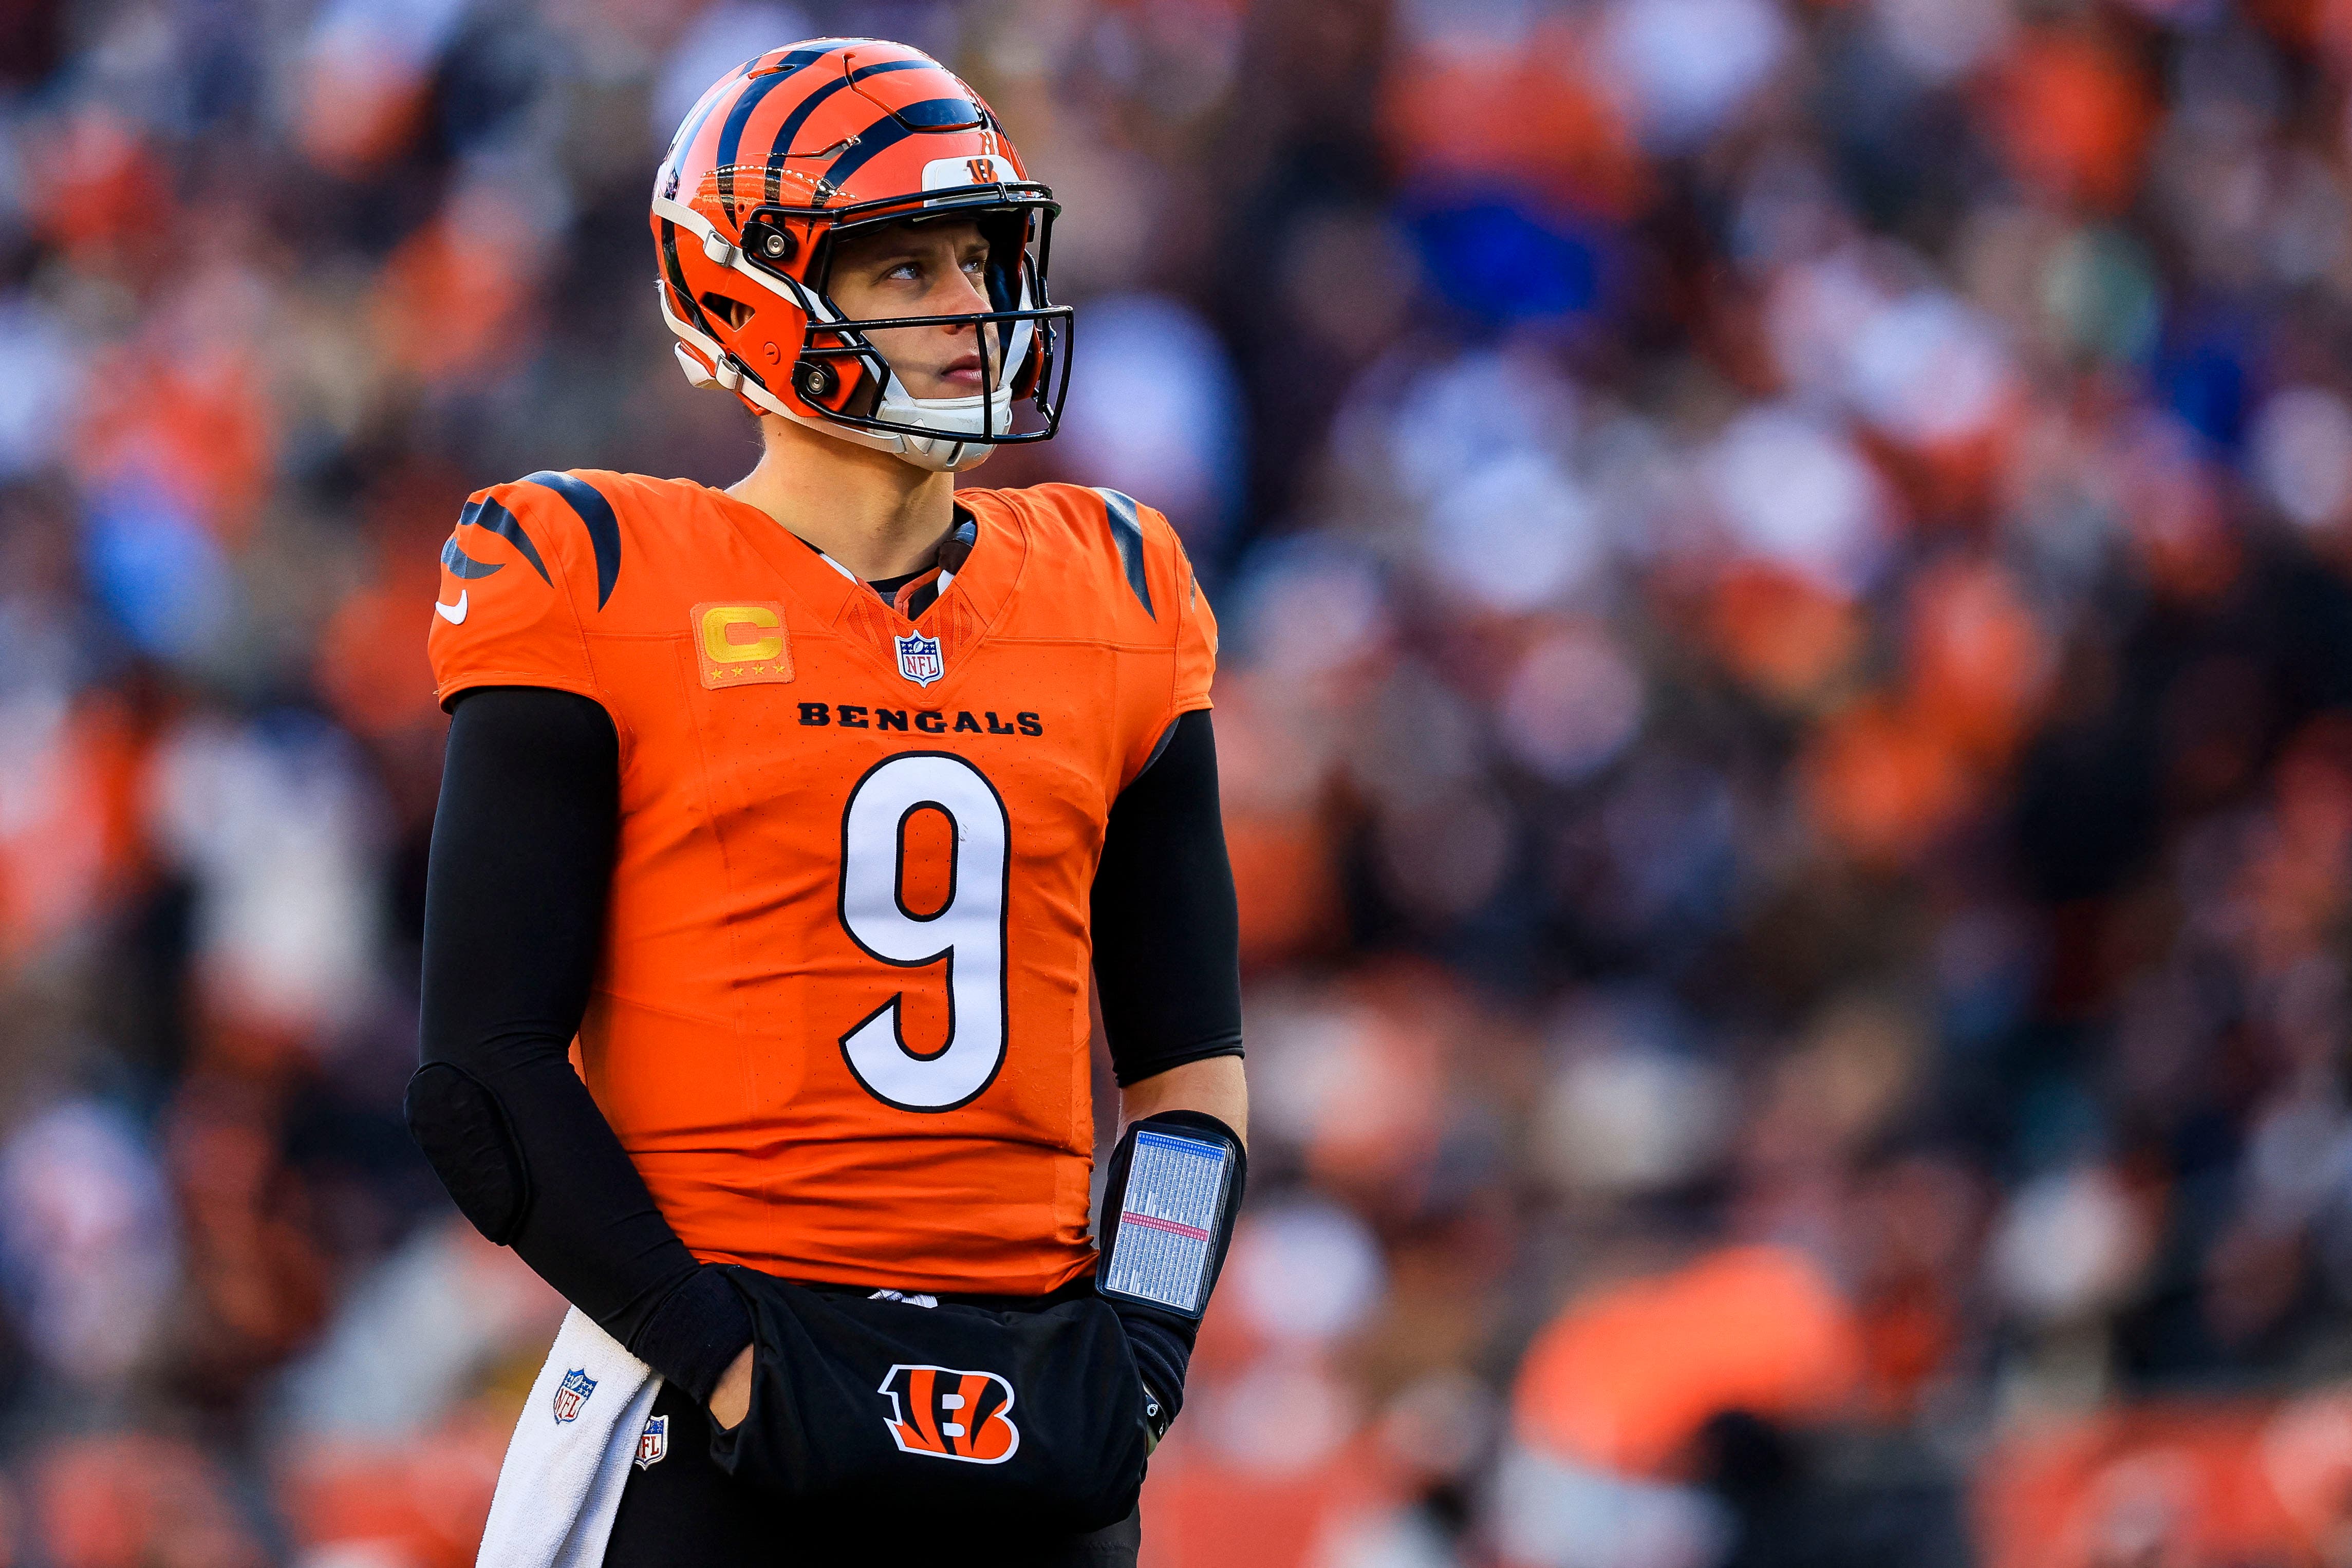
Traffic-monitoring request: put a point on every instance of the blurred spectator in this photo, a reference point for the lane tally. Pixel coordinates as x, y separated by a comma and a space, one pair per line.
1786, 711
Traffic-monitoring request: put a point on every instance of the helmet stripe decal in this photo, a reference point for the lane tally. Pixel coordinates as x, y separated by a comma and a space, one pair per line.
876, 139
941, 114
603, 528
730, 135
691, 128
781, 147
490, 514
884, 68
677, 282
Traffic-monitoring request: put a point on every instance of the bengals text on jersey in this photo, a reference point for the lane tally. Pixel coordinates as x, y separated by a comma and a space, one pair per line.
841, 1019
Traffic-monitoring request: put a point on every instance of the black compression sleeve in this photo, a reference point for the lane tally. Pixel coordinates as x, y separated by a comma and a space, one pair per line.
514, 917
1166, 937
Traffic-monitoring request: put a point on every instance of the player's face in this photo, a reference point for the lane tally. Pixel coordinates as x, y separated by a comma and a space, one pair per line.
927, 270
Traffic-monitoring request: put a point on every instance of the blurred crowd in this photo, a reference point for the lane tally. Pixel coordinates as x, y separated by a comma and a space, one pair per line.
1786, 715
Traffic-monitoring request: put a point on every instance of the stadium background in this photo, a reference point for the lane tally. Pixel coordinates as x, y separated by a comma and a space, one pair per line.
1787, 716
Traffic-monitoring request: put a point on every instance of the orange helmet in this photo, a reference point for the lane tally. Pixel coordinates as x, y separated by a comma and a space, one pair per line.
823, 138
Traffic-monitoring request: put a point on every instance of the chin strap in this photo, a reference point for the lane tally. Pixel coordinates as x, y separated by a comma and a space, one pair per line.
956, 418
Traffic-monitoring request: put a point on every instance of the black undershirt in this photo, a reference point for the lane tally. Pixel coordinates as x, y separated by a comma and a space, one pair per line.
514, 916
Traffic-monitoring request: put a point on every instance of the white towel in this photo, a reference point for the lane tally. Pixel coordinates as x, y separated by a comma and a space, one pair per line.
569, 1457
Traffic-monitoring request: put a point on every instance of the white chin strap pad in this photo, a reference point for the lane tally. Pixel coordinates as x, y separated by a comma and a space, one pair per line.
960, 421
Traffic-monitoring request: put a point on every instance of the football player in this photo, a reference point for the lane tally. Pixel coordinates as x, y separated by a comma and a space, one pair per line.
814, 809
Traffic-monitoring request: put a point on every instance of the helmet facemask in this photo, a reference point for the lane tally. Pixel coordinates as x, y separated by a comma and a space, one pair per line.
1022, 340
840, 382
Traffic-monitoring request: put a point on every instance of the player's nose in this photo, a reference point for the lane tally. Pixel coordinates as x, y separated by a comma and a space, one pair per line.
958, 294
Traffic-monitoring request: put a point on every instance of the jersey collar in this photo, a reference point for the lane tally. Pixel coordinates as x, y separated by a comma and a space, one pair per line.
832, 592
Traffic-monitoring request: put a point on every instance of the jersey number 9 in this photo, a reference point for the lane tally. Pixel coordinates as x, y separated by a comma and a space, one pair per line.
967, 929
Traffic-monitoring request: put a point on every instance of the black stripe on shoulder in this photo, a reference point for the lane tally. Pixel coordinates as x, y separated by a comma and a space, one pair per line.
603, 528
1127, 532
461, 564
490, 514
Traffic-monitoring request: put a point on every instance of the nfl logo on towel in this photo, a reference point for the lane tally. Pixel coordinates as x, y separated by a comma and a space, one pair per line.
577, 1387
918, 659
653, 1443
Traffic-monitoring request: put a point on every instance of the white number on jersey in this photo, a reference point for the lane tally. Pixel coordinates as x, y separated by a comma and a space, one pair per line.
968, 930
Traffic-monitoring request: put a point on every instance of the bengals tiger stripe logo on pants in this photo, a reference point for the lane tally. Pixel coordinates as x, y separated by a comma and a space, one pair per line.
950, 1414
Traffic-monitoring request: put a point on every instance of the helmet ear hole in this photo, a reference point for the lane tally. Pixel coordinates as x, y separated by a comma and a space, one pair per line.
734, 312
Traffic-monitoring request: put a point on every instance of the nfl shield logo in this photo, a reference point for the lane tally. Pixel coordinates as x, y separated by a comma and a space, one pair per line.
577, 1387
653, 1443
918, 659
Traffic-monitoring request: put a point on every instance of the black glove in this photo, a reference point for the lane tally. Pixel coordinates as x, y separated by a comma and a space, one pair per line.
1172, 1191
1035, 1419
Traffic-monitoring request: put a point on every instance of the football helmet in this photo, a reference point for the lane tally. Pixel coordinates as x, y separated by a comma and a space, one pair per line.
793, 151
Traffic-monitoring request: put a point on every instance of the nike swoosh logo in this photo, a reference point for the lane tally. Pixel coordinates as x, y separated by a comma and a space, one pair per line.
453, 613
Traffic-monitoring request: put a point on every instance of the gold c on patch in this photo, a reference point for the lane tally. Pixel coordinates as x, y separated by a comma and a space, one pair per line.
741, 645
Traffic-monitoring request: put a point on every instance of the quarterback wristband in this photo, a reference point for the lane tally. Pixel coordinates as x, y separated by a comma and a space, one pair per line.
1173, 1188
1170, 1200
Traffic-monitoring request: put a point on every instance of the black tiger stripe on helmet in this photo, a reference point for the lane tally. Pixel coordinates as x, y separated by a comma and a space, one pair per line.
818, 139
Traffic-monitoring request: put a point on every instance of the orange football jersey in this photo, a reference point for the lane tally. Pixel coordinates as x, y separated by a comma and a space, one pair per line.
841, 1018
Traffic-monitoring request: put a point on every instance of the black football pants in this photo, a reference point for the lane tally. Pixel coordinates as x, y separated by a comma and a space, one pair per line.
686, 1512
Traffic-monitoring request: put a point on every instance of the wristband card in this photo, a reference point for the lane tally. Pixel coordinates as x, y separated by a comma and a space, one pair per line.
1169, 1220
